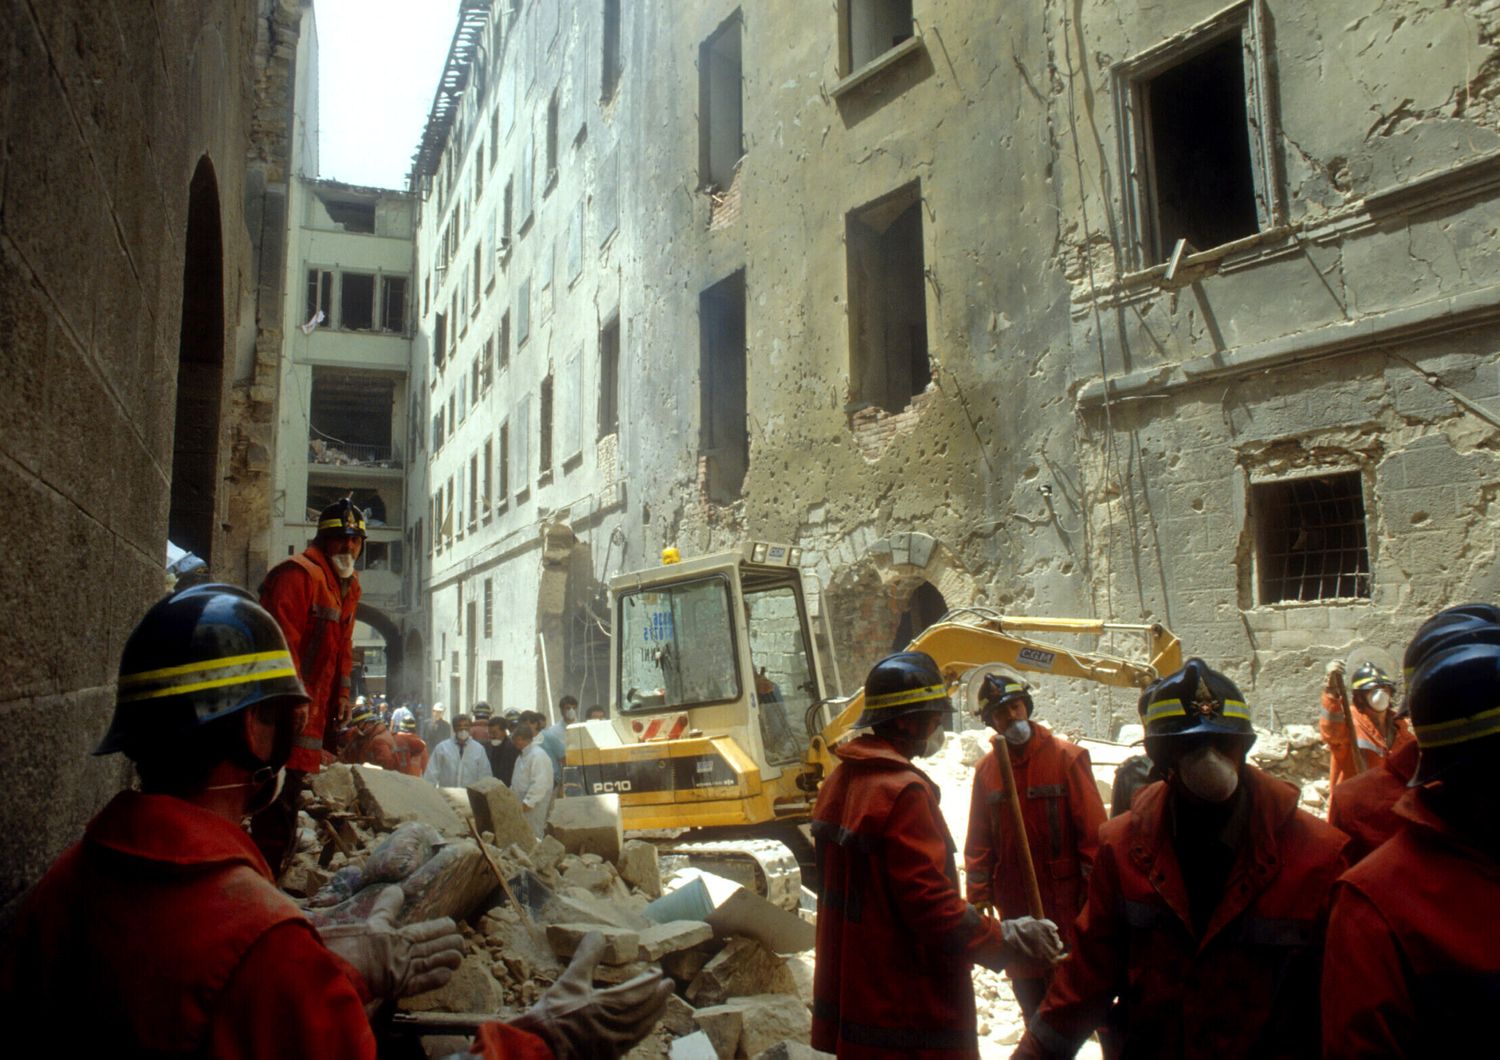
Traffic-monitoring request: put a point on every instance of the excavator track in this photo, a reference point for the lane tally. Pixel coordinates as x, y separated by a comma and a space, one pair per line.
764, 866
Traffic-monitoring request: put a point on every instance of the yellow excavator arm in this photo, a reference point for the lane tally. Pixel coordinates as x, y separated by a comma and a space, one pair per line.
975, 637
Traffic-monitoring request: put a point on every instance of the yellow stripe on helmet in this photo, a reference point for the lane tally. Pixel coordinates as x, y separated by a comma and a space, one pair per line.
1459, 730
1234, 708
198, 686
339, 524
901, 699
204, 667
1163, 708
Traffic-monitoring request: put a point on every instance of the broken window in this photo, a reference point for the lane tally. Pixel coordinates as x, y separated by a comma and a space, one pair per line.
723, 438
350, 416
720, 105
1310, 536
393, 304
870, 28
551, 142
356, 301
544, 441
888, 361
351, 216
612, 59
440, 339
609, 378
319, 297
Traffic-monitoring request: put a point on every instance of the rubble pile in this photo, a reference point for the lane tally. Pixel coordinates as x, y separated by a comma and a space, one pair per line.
364, 829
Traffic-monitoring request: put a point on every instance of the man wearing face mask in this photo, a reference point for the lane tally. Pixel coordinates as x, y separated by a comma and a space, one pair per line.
1208, 901
889, 903
1378, 731
313, 597
458, 761
1062, 810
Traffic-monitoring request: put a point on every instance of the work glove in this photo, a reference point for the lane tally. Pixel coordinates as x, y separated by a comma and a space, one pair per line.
577, 1020
1037, 939
396, 961
1335, 666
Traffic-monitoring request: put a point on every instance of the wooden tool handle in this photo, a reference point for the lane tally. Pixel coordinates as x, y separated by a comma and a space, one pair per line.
1018, 827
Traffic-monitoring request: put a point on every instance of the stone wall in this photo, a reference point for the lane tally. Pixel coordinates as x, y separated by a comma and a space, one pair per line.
113, 118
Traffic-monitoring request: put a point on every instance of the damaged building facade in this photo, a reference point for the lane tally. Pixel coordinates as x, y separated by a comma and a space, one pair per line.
1179, 314
143, 159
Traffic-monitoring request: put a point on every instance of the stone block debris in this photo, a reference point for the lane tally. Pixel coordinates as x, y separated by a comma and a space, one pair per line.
620, 944
743, 967
789, 1049
659, 940
640, 867
390, 798
498, 811
762, 1021
472, 989
334, 787
588, 824
696, 1046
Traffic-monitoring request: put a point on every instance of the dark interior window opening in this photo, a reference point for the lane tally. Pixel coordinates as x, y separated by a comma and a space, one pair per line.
609, 378
1202, 184
319, 296
612, 60
889, 362
351, 415
723, 436
393, 304
544, 442
356, 301
321, 495
721, 139
352, 216
1311, 541
873, 27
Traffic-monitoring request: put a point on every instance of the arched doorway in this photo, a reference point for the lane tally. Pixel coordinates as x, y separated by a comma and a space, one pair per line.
379, 650
192, 520
924, 607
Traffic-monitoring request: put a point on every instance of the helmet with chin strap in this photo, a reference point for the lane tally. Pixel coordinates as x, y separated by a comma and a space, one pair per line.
1000, 688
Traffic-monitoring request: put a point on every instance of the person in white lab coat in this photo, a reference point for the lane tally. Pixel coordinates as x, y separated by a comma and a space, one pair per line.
532, 779
458, 761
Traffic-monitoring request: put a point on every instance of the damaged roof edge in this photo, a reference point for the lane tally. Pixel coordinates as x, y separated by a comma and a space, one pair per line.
472, 16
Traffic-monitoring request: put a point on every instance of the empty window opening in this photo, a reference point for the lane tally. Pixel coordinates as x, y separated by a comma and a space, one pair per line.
356, 301
544, 441
552, 141
612, 60
487, 466
609, 378
440, 339
1202, 185
351, 216
888, 362
503, 342
487, 363
507, 216
350, 417
473, 490
1310, 536
381, 555
724, 441
319, 297
720, 105
503, 466
870, 28
477, 276
320, 496
393, 304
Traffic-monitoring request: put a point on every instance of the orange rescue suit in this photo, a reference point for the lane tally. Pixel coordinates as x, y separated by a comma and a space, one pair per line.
411, 754
1063, 811
304, 595
1368, 743
377, 748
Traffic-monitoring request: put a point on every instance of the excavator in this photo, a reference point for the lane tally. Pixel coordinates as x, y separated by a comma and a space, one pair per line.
721, 720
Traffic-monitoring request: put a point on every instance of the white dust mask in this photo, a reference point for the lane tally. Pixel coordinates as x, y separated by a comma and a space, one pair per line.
343, 564
1379, 700
1017, 732
1209, 774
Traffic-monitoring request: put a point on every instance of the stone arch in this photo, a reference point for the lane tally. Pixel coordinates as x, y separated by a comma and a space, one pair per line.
395, 648
192, 520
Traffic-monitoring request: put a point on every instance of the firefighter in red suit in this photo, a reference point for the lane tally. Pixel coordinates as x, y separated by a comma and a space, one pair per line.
1207, 904
368, 740
1413, 960
889, 901
1378, 730
1062, 810
411, 751
1364, 807
166, 917
314, 597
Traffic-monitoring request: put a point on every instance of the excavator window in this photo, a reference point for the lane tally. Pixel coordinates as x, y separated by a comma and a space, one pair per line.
784, 684
676, 646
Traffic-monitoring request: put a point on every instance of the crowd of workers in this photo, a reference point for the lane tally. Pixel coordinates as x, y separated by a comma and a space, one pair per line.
1211, 916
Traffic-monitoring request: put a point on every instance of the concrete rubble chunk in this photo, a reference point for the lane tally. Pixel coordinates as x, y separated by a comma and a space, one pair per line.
685, 966
498, 811
659, 940
588, 824
546, 855
696, 1046
392, 798
790, 1050
800, 965
724, 1026
640, 867
765, 1020
742, 968
678, 1016
472, 989
620, 944
458, 798
333, 786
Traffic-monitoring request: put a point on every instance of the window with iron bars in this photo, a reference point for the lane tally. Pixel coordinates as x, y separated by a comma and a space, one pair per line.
1311, 540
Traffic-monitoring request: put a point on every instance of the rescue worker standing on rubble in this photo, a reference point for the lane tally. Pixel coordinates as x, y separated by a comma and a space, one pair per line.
1208, 901
458, 761
411, 751
167, 919
896, 941
1413, 953
368, 740
1062, 809
313, 597
1377, 730
532, 780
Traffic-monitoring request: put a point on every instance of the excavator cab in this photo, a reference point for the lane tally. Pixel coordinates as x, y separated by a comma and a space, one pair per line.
713, 677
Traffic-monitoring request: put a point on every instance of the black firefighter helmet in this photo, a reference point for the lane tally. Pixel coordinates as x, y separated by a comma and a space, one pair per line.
1195, 701
908, 682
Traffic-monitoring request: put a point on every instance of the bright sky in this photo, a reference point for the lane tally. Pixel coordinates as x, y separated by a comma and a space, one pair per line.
378, 67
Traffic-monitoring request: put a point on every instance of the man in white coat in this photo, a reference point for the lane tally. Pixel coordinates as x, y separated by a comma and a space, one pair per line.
458, 761
532, 779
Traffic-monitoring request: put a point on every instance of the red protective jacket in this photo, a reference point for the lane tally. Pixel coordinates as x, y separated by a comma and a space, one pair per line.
1413, 961
1062, 810
896, 940
1370, 744
378, 748
162, 933
318, 619
411, 754
1364, 807
1247, 987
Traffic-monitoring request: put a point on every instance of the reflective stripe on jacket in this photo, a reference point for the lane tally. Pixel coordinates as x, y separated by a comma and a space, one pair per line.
303, 594
1062, 810
1368, 744
896, 941
1246, 987
1413, 961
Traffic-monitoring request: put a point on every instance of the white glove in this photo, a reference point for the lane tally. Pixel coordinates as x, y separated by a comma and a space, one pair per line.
397, 961
1037, 939
577, 1020
1335, 666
